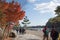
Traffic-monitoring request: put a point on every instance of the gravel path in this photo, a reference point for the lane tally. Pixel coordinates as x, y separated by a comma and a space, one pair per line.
27, 37
30, 35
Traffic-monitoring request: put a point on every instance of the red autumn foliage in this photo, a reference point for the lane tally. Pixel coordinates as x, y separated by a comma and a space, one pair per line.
12, 10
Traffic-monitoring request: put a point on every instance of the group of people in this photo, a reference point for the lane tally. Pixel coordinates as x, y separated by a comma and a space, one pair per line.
20, 30
53, 33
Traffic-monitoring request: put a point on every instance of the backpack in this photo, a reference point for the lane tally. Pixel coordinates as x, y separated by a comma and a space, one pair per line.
54, 35
46, 32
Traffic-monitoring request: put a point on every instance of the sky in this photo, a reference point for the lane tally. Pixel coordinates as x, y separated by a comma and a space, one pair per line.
39, 11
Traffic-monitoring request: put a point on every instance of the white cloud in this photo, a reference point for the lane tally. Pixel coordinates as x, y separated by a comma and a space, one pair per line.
57, 1
47, 7
31, 1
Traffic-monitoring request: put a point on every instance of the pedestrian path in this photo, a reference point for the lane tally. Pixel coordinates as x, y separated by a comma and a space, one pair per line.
27, 37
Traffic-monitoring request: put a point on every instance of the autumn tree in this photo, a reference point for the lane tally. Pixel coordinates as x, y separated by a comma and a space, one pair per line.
10, 13
14, 12
3, 6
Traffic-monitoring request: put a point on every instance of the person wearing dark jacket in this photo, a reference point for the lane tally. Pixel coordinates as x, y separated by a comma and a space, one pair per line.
54, 34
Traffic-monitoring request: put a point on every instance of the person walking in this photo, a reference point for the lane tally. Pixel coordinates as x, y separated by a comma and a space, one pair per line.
46, 33
54, 34
17, 30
